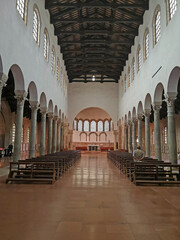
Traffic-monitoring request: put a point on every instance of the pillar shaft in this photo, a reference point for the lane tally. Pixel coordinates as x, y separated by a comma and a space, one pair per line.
147, 133
32, 140
140, 130
172, 143
126, 136
50, 118
134, 135
59, 136
62, 137
130, 137
115, 139
43, 132
20, 96
54, 135
157, 135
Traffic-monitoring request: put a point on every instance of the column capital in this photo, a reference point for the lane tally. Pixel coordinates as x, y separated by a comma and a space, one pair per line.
147, 112
20, 96
139, 116
50, 115
156, 107
170, 101
34, 105
3, 80
55, 118
129, 123
43, 110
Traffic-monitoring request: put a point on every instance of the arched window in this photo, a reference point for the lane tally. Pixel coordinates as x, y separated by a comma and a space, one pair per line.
36, 25
165, 136
93, 126
80, 125
53, 59
125, 83
100, 126
133, 69
138, 58
75, 125
129, 77
106, 126
58, 69
28, 133
46, 44
111, 125
157, 25
146, 44
13, 132
172, 7
21, 6
86, 126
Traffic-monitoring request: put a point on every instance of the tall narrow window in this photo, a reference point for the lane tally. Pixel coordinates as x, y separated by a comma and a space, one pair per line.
111, 125
58, 69
80, 125
157, 26
146, 44
22, 135
100, 126
125, 83
46, 44
53, 59
21, 6
165, 136
106, 126
138, 58
93, 126
129, 77
133, 69
86, 126
36, 25
172, 7
28, 133
75, 125
13, 132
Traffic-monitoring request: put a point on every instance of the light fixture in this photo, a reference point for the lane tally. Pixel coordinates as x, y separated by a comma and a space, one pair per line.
93, 78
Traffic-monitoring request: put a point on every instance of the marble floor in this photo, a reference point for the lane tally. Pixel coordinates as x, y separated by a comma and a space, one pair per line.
93, 201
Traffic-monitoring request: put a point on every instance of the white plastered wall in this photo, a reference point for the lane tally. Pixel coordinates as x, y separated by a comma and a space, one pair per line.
17, 46
85, 95
164, 54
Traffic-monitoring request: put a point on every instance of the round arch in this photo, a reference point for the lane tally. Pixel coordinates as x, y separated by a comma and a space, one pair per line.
33, 92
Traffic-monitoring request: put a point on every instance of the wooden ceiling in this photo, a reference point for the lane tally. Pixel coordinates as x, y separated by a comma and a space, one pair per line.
96, 35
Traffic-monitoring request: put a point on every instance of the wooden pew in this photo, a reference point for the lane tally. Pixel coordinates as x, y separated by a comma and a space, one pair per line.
31, 172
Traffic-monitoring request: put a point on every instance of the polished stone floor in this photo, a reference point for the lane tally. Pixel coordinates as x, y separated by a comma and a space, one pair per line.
93, 201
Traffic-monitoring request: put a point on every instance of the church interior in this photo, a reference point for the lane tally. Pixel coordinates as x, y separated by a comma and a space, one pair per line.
90, 119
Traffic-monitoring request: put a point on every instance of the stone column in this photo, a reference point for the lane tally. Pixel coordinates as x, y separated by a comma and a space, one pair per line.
172, 143
134, 134
54, 134
59, 135
20, 96
147, 133
120, 138
3, 81
130, 137
157, 136
70, 138
50, 118
32, 140
115, 139
126, 136
43, 131
62, 137
140, 129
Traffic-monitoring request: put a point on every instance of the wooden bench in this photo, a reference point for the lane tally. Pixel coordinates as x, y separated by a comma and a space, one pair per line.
31, 172
157, 173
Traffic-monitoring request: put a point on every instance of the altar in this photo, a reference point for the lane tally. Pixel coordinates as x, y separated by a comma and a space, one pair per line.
92, 147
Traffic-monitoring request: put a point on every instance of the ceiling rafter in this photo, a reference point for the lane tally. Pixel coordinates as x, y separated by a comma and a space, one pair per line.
96, 36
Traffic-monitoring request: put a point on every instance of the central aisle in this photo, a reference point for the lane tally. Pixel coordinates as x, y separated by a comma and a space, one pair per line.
93, 201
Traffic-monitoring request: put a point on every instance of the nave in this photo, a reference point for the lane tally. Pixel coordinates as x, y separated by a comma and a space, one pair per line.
92, 201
